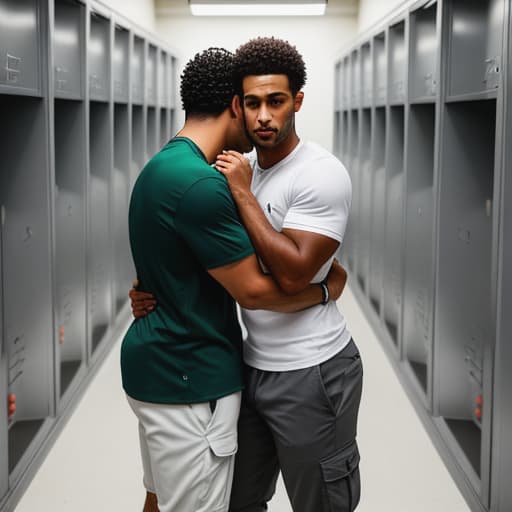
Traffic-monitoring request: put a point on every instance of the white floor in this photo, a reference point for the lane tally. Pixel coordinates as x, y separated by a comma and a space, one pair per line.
94, 465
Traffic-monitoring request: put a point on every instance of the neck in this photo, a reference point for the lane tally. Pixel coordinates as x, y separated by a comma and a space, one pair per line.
267, 157
208, 135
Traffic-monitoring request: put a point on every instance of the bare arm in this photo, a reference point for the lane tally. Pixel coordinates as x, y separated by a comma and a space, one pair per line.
252, 289
292, 256
256, 291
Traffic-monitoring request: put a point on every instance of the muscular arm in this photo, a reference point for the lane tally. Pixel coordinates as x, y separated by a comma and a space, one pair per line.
293, 256
252, 289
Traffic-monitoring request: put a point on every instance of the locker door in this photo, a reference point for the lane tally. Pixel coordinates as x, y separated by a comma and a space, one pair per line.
4, 473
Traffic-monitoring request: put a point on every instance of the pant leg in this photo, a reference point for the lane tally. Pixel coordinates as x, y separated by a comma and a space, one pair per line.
191, 452
312, 414
256, 465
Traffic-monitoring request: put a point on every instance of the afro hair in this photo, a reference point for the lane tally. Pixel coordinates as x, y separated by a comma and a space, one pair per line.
269, 56
207, 83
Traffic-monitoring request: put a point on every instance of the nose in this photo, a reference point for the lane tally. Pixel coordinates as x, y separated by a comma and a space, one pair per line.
264, 115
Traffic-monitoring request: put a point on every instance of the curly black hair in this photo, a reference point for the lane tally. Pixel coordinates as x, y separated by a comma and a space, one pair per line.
269, 56
207, 83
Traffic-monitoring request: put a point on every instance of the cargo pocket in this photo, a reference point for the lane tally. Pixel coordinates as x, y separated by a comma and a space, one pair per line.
341, 477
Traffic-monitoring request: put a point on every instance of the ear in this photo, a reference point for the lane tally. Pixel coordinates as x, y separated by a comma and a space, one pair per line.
297, 102
236, 107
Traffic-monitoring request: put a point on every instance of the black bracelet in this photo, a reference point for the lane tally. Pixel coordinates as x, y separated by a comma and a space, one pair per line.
325, 292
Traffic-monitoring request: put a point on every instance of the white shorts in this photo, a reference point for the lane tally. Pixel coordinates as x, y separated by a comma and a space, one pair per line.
188, 453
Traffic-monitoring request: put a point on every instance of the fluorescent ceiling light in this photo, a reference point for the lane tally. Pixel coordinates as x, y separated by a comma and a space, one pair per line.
205, 8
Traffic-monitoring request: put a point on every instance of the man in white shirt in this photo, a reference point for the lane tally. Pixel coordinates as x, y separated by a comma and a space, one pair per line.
303, 373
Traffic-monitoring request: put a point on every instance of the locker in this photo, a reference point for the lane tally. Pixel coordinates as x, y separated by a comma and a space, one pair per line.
392, 299
465, 331
173, 82
475, 43
419, 238
120, 64
353, 169
378, 211
26, 272
99, 58
337, 142
364, 200
69, 48
151, 132
163, 80
138, 138
124, 273
99, 271
164, 127
355, 79
367, 74
151, 75
137, 69
70, 239
380, 69
397, 63
4, 473
345, 85
423, 53
21, 43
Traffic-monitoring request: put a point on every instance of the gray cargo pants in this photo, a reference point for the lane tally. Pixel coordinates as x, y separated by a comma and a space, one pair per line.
302, 422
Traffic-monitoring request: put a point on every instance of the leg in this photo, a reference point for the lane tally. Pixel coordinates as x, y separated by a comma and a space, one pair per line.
313, 415
191, 453
256, 466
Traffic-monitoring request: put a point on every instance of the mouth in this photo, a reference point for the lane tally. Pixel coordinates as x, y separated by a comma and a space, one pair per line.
264, 132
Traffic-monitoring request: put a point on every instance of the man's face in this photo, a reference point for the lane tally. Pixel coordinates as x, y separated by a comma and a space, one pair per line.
269, 109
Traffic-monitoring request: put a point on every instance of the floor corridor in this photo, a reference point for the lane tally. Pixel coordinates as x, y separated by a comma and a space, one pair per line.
94, 465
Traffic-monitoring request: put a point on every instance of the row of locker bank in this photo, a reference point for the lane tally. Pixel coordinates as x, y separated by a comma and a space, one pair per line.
421, 117
86, 98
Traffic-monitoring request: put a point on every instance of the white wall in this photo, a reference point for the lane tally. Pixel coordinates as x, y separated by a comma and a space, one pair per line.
320, 41
372, 11
140, 12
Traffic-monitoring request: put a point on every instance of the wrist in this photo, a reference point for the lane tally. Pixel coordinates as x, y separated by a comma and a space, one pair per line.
325, 292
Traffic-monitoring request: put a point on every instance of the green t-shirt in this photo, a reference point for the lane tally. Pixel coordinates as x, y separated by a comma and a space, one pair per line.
183, 221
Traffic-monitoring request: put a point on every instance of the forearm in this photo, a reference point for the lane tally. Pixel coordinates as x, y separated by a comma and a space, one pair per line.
266, 294
279, 253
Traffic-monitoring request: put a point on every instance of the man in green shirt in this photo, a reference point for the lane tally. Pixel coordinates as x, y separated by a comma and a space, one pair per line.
181, 365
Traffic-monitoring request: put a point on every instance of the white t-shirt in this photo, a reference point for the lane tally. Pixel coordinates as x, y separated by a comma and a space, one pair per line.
308, 190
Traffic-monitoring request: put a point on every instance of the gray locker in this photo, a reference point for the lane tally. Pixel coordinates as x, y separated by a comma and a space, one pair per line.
392, 300
124, 273
26, 272
475, 46
465, 331
380, 69
378, 211
4, 446
151, 75
353, 169
397, 63
99, 271
138, 146
419, 239
120, 64
99, 58
173, 81
151, 132
137, 69
355, 79
164, 127
344, 137
337, 142
69, 49
364, 199
70, 239
367, 74
423, 53
345, 83
163, 79
21, 43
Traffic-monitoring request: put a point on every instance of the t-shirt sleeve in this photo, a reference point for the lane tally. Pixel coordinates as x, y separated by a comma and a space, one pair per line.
208, 221
320, 200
